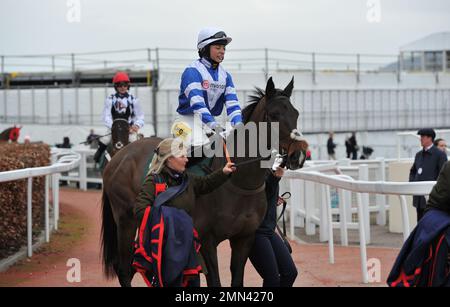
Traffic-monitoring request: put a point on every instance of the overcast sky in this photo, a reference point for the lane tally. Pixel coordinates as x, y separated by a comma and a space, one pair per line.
42, 26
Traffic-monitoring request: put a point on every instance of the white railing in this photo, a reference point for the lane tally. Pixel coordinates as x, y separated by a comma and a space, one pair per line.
82, 175
303, 184
63, 161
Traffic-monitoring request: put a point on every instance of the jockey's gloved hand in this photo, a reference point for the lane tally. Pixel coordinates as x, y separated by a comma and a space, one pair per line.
218, 128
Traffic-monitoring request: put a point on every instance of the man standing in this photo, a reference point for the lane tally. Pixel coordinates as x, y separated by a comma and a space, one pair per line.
427, 165
353, 146
331, 146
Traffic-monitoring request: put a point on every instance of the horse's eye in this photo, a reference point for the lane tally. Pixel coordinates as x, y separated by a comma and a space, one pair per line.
275, 116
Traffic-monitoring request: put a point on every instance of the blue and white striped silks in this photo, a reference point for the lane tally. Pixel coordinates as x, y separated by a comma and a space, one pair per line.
205, 91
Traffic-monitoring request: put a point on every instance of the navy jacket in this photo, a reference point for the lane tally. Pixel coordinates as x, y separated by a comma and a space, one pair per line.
270, 219
423, 259
426, 167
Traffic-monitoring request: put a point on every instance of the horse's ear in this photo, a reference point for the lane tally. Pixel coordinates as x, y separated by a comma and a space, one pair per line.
270, 88
288, 90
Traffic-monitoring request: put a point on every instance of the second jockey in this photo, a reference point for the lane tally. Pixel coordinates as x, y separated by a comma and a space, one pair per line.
206, 87
121, 101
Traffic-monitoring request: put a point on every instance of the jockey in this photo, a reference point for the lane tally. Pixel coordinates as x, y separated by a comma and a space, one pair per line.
205, 88
121, 101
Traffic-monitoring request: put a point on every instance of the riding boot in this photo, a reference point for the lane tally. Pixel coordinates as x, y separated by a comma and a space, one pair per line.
101, 148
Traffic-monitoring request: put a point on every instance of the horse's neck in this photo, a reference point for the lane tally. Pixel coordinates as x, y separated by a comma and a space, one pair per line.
251, 176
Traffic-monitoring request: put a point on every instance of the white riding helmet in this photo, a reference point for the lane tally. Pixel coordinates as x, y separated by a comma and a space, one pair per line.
210, 35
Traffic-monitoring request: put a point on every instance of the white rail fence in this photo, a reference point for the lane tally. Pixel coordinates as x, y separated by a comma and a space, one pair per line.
312, 184
62, 161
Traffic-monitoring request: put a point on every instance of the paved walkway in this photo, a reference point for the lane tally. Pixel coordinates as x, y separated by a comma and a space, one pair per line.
79, 236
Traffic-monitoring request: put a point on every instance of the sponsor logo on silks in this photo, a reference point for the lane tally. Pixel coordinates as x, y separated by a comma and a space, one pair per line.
215, 86
205, 84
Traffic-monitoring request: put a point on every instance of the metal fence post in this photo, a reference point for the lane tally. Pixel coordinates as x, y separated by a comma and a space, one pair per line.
73, 68
313, 68
19, 103
3, 72
33, 106
266, 62
47, 104
77, 108
91, 103
358, 62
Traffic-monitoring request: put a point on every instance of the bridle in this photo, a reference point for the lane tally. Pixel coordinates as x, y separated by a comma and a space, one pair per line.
119, 145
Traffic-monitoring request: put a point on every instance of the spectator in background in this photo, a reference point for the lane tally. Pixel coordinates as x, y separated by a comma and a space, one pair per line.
427, 165
308, 155
331, 146
348, 148
92, 139
353, 146
441, 144
27, 139
65, 144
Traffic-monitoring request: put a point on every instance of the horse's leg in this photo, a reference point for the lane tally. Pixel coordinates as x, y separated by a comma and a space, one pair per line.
209, 253
240, 249
125, 235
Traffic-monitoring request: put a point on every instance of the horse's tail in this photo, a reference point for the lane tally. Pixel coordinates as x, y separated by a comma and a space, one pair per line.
109, 238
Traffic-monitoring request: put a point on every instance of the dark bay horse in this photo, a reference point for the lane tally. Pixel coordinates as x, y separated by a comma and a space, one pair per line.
234, 211
119, 133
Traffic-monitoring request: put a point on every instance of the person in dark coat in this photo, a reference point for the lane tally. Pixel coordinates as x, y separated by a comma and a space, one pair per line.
427, 165
270, 255
353, 146
331, 145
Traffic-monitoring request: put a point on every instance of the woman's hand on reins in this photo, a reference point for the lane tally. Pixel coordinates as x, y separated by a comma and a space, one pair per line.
229, 168
279, 172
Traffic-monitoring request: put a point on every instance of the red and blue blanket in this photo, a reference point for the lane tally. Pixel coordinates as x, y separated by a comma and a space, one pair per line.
167, 244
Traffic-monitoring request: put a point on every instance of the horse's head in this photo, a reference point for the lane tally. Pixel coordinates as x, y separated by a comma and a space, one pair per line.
278, 108
120, 130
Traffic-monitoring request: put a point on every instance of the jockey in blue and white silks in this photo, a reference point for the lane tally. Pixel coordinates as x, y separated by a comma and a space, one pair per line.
206, 87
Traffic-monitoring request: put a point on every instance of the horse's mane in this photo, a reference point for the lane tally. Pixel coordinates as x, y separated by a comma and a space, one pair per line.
247, 112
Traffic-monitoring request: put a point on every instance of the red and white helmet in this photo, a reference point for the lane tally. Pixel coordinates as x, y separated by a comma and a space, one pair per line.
120, 77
